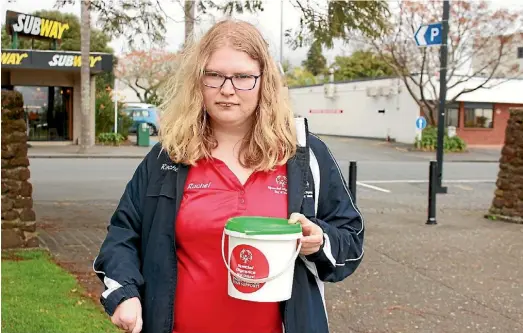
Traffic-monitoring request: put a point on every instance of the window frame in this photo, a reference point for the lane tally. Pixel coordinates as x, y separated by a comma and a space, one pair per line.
478, 106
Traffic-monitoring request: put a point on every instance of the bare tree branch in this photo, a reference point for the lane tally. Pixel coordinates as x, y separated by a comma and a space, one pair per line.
475, 40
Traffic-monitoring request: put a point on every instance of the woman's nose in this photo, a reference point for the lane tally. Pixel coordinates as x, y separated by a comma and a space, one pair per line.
228, 88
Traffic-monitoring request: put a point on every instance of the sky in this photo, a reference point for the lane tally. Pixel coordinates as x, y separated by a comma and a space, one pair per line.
268, 22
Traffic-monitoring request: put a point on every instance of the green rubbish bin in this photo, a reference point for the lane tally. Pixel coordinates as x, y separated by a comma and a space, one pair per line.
142, 135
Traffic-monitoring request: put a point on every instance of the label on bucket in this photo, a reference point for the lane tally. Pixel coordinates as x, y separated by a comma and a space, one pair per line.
250, 263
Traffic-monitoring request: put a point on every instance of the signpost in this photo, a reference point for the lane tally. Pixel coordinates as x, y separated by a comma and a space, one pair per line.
429, 34
421, 123
432, 35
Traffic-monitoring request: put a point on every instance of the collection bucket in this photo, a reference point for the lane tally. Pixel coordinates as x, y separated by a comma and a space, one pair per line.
261, 256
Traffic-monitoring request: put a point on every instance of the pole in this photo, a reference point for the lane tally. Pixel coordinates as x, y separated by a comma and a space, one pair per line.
353, 170
433, 170
442, 94
115, 94
14, 44
281, 32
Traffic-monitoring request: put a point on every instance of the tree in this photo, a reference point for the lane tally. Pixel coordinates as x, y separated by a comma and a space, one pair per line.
315, 61
324, 21
361, 64
70, 40
477, 34
144, 22
299, 76
145, 72
87, 136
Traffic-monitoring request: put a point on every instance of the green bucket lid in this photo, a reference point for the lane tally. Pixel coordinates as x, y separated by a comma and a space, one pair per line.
256, 225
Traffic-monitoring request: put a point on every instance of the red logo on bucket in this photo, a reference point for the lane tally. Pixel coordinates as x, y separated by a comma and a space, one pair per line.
250, 263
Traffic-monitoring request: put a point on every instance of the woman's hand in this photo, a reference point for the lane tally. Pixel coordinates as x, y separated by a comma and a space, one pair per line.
128, 316
312, 239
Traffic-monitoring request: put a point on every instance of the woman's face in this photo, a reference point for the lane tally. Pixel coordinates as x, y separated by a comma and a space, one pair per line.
231, 103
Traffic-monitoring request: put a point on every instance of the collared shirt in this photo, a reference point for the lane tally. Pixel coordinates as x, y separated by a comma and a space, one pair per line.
212, 195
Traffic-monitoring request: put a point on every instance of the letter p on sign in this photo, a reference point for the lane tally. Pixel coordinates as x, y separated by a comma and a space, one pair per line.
434, 32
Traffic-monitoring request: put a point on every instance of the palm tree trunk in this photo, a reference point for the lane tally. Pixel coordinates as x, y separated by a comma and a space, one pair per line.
85, 136
190, 11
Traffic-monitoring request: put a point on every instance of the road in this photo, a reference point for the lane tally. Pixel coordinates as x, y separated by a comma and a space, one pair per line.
104, 179
386, 178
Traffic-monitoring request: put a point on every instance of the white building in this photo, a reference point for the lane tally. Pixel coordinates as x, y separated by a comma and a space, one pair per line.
384, 109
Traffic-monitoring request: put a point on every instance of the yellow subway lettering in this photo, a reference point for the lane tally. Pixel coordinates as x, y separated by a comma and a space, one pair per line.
94, 60
54, 30
77, 61
61, 28
45, 27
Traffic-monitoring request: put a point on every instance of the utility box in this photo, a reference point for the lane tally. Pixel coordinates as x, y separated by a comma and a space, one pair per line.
142, 135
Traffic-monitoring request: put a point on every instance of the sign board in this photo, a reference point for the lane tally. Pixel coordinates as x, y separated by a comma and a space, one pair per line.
429, 34
451, 131
34, 26
421, 123
325, 111
31, 59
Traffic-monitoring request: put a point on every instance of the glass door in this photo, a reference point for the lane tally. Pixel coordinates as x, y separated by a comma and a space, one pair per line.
48, 112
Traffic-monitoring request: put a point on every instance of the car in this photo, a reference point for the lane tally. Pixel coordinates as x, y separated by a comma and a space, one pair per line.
143, 113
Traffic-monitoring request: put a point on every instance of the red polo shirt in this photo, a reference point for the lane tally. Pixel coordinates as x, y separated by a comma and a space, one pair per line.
212, 195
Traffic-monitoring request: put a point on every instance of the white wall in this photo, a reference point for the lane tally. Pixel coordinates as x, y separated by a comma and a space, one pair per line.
125, 93
360, 116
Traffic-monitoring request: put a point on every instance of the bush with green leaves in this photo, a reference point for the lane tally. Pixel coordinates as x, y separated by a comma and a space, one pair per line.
105, 115
429, 141
111, 139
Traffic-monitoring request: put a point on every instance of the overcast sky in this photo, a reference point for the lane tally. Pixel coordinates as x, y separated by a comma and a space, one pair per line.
267, 21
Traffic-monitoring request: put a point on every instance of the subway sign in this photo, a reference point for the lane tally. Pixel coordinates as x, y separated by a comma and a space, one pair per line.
34, 26
31, 59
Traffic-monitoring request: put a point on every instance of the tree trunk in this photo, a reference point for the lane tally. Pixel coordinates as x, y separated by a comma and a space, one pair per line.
190, 11
85, 136
429, 111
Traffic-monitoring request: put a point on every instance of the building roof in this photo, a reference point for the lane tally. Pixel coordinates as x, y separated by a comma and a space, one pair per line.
498, 91
509, 91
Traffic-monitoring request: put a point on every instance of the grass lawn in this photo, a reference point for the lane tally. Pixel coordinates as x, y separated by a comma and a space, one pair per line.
39, 296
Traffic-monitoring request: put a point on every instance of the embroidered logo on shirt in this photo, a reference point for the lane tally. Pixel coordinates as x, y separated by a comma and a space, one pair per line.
281, 188
168, 167
198, 186
308, 193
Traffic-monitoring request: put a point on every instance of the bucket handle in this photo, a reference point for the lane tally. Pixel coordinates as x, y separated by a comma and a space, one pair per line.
263, 280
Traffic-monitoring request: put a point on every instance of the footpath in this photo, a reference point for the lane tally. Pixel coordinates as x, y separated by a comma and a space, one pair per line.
462, 275
71, 151
360, 150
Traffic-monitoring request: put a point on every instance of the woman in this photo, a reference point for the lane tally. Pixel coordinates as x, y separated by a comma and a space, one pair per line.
229, 147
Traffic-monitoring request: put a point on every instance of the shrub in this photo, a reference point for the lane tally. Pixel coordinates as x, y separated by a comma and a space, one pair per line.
113, 139
105, 115
429, 141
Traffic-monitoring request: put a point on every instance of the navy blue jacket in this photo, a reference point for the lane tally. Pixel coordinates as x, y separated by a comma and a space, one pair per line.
138, 256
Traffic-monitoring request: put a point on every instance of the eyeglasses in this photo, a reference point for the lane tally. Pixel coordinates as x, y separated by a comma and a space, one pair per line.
239, 81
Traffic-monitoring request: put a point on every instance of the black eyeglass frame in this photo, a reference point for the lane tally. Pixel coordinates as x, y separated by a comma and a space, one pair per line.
225, 78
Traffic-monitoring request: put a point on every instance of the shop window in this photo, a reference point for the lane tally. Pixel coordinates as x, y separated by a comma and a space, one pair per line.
47, 112
452, 117
479, 117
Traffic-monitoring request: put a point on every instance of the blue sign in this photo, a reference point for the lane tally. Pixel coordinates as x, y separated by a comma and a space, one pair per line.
421, 123
429, 34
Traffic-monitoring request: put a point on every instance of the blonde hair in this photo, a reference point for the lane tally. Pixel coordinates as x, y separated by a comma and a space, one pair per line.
185, 132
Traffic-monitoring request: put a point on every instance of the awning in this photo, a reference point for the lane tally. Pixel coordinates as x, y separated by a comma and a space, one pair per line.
55, 60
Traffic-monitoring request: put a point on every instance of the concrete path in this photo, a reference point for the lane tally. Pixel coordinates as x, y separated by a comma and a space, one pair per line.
463, 275
353, 149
